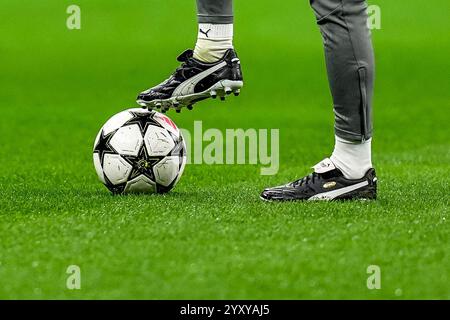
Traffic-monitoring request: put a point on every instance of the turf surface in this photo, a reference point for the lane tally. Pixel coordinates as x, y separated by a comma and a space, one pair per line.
212, 237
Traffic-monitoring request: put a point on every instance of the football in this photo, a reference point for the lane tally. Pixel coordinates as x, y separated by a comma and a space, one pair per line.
139, 151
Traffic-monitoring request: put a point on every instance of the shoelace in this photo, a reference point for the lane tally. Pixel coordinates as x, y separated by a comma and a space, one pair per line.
177, 70
182, 66
305, 180
186, 64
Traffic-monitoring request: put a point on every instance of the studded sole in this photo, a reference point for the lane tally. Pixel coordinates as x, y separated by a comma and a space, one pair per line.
221, 89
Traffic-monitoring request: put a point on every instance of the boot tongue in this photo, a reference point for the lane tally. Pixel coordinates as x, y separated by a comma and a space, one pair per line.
324, 166
185, 55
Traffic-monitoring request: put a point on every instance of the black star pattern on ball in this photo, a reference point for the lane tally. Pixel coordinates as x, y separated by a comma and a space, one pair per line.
143, 120
142, 164
103, 145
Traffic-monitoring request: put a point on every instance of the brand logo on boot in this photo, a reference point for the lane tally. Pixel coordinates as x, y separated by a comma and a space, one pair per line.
329, 185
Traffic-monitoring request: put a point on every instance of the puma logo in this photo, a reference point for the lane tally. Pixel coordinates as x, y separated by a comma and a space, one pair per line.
187, 87
205, 33
330, 184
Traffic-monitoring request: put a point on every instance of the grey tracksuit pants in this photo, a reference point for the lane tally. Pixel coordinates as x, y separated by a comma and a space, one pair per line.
348, 53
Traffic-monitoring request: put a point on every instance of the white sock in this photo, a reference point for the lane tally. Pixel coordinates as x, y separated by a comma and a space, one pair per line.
352, 158
213, 41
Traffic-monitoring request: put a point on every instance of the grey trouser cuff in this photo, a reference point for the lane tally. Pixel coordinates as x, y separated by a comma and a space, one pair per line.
350, 64
215, 11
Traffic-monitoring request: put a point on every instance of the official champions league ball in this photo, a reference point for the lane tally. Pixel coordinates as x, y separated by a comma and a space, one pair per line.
139, 151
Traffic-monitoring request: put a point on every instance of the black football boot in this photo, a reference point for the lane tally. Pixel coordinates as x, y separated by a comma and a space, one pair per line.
325, 183
193, 81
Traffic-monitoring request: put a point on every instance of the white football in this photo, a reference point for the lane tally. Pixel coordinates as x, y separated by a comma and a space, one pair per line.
139, 151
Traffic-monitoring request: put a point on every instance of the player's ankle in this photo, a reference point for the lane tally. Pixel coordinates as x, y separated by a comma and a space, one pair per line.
211, 51
213, 41
353, 159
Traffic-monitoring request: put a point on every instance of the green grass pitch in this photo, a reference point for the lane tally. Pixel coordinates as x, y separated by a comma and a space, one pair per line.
212, 237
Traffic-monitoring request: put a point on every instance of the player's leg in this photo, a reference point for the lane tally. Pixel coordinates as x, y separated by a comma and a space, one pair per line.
212, 69
348, 174
215, 29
